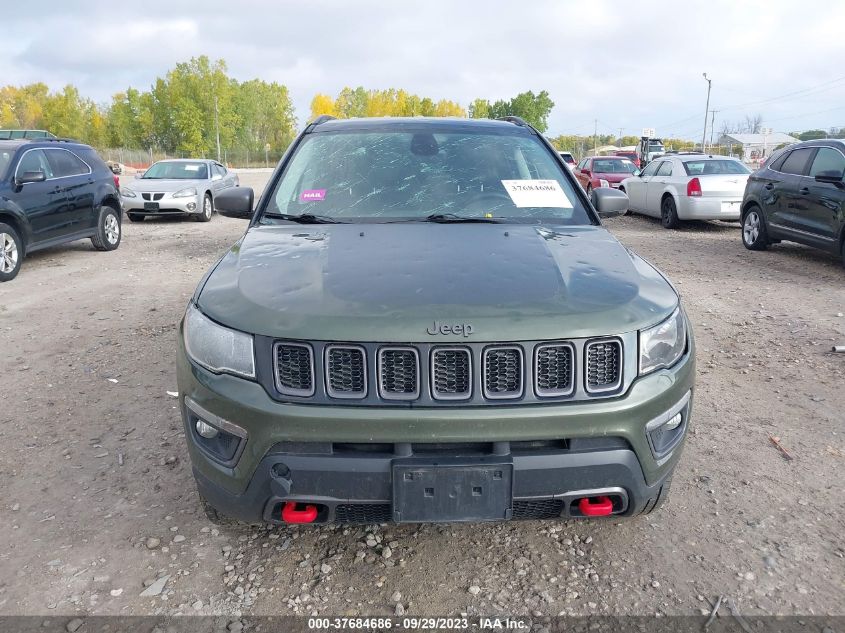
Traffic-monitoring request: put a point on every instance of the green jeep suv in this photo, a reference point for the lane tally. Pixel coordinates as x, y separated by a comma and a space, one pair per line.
427, 321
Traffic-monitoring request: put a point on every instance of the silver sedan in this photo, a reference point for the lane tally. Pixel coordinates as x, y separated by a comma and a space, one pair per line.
177, 187
687, 186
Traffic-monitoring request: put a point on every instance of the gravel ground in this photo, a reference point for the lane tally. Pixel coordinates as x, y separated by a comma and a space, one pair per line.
100, 514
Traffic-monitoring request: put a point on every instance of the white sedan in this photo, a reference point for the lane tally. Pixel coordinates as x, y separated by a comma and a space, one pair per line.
687, 186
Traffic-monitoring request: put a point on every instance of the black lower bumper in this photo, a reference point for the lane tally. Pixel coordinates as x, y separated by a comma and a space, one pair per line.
355, 484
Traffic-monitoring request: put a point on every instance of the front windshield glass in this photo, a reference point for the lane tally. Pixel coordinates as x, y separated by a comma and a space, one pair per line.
177, 170
705, 167
614, 166
409, 174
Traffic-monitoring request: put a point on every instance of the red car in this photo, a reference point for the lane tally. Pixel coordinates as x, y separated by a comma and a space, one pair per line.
603, 171
631, 156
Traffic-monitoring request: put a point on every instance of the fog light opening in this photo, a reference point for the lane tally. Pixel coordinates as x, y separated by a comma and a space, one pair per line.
206, 430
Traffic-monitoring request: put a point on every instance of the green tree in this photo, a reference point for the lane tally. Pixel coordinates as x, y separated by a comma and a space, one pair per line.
533, 109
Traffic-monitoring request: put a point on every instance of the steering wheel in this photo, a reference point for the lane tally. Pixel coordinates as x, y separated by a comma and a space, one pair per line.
488, 201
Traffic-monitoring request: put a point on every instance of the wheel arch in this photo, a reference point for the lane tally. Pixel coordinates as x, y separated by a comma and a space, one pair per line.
746, 207
20, 225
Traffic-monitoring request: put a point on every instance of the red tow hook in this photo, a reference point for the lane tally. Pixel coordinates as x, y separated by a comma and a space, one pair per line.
595, 506
290, 514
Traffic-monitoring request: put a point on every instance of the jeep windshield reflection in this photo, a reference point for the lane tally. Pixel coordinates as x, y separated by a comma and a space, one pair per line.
416, 175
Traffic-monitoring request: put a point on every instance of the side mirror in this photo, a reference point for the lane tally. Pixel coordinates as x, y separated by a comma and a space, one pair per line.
830, 177
236, 202
609, 202
138, 175
637, 172
31, 176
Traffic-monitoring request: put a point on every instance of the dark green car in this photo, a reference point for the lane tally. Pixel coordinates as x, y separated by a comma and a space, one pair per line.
426, 321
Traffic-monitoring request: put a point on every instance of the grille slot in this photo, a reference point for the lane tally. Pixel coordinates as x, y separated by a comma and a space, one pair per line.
604, 365
346, 371
294, 369
503, 372
363, 513
554, 367
399, 373
527, 509
451, 373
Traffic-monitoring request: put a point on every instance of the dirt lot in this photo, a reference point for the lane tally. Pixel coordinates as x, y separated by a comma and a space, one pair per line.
99, 500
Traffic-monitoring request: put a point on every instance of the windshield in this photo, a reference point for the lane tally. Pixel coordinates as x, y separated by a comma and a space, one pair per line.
705, 167
409, 174
177, 170
656, 147
623, 166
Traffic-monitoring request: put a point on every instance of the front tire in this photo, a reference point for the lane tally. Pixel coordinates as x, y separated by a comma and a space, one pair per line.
107, 237
754, 236
657, 502
669, 213
213, 515
207, 209
11, 252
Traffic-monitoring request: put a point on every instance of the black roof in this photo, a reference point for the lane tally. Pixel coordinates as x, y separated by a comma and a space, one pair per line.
819, 142
431, 124
40, 142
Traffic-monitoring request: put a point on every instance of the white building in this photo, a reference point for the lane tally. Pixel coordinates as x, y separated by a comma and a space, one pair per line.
752, 148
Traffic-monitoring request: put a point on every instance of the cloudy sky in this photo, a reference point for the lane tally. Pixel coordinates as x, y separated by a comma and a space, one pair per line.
628, 65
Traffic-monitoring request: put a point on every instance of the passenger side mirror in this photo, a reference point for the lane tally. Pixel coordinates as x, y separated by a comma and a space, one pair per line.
830, 177
609, 202
31, 176
236, 202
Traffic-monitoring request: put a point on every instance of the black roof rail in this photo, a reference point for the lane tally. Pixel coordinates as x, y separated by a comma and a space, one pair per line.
514, 119
319, 121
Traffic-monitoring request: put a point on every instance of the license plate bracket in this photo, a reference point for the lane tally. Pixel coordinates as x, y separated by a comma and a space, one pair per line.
452, 491
151, 206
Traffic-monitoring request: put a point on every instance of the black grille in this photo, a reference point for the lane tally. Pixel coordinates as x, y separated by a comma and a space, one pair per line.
152, 196
346, 372
537, 508
399, 373
363, 513
450, 369
503, 372
294, 369
554, 370
604, 365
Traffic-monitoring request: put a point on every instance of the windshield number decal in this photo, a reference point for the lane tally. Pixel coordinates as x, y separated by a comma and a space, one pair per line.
536, 193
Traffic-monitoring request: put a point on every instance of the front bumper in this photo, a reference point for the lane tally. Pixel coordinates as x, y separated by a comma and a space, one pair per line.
167, 205
709, 208
341, 457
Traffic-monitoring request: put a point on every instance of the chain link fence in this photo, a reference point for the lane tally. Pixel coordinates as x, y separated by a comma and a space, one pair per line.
232, 158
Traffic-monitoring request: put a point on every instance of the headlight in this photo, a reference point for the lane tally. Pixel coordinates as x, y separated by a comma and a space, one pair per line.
603, 183
127, 193
216, 347
663, 344
185, 193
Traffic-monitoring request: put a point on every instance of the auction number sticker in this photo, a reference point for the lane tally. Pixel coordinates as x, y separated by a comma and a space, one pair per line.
536, 193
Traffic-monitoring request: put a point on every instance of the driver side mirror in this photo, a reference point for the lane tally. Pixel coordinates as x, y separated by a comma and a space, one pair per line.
831, 177
236, 202
609, 202
31, 176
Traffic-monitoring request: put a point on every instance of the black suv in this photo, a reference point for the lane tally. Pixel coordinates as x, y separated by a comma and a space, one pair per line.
798, 196
54, 191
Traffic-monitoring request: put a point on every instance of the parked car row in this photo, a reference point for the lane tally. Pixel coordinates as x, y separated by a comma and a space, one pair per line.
54, 191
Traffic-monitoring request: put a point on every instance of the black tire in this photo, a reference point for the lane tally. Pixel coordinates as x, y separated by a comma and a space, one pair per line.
11, 252
213, 515
654, 504
109, 231
754, 234
843, 253
135, 217
669, 213
207, 209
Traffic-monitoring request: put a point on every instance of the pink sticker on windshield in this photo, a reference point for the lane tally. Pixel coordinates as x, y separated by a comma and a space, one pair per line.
311, 195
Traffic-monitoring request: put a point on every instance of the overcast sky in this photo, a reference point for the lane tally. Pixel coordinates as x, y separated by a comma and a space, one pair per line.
627, 64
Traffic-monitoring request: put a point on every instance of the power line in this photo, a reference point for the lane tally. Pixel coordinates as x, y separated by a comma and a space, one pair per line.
811, 89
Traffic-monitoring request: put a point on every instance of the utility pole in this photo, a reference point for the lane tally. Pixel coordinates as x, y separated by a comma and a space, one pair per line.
712, 126
619, 139
596, 139
217, 126
706, 112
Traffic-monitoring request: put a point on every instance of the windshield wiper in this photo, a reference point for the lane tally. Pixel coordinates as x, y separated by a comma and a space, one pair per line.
305, 218
447, 218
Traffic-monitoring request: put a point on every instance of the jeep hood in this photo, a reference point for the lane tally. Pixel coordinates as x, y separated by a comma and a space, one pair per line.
390, 282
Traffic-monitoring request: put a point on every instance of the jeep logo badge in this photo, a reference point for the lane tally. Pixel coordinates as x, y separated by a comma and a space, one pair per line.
464, 329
